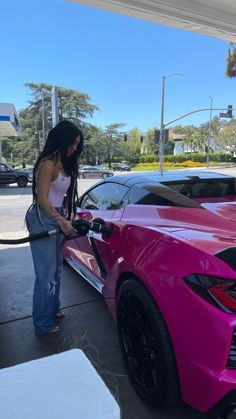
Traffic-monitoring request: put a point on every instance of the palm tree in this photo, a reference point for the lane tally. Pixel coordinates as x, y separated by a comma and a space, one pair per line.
231, 63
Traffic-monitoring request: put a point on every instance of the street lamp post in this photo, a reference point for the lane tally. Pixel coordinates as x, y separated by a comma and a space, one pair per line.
209, 133
162, 125
43, 120
161, 148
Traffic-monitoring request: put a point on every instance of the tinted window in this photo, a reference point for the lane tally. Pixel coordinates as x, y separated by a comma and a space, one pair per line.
145, 194
108, 196
3, 168
205, 189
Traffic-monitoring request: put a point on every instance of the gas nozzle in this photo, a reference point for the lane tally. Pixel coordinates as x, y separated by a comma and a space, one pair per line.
83, 226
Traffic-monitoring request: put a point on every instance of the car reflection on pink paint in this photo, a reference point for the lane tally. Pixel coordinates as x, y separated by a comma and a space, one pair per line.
168, 276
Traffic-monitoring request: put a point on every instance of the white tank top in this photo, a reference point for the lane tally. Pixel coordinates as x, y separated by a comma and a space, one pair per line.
57, 190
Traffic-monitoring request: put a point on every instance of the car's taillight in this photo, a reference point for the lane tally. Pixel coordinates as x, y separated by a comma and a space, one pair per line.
217, 291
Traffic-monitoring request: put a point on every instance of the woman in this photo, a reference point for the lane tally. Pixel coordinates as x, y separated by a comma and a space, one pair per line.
55, 174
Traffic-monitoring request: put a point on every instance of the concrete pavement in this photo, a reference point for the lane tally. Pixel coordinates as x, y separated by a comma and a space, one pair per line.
88, 324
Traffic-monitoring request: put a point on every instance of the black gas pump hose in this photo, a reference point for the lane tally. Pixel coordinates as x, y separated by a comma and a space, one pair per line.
81, 226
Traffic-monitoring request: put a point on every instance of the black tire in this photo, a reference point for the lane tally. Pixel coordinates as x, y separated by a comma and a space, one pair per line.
22, 182
146, 346
64, 262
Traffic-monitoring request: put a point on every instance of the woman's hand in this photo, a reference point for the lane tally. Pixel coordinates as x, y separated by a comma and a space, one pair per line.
66, 227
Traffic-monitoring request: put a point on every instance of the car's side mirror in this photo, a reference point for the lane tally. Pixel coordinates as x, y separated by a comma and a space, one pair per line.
91, 207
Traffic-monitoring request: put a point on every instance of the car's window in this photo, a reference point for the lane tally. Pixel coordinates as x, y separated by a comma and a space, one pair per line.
3, 168
146, 194
204, 189
108, 196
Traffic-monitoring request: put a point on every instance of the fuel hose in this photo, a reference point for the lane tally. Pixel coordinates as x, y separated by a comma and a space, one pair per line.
81, 226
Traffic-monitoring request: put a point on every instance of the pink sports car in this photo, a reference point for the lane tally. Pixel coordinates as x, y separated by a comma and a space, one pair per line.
168, 275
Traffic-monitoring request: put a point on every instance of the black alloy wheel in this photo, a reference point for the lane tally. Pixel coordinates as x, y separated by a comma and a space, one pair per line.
146, 346
22, 182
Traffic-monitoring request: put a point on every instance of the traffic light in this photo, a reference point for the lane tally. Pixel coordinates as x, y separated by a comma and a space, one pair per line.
125, 137
157, 136
165, 136
230, 111
227, 114
141, 139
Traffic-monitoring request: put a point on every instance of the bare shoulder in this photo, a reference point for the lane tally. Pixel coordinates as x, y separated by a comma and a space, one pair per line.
46, 171
47, 164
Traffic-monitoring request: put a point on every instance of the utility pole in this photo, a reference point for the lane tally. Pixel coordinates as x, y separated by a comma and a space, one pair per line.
43, 120
161, 148
36, 140
162, 125
209, 133
0, 151
54, 106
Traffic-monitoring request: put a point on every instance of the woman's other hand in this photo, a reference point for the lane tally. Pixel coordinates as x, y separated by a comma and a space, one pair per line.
66, 227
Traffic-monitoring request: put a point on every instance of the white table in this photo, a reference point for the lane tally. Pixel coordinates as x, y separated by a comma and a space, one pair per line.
63, 386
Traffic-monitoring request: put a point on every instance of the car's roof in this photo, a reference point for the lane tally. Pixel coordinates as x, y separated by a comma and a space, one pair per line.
170, 176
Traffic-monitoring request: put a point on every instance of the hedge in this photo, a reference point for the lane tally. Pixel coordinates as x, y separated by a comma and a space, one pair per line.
198, 157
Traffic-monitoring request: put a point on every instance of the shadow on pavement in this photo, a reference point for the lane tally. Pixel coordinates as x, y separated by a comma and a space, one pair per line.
88, 326
7, 190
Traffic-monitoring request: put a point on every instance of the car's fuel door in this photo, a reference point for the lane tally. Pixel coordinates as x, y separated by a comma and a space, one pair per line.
90, 249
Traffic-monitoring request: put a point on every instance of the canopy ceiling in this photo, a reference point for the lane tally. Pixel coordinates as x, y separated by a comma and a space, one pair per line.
215, 18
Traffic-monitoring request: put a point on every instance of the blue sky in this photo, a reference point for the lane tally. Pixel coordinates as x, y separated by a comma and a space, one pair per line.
117, 60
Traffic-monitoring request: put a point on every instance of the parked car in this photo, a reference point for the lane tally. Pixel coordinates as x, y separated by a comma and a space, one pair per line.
95, 172
29, 172
168, 277
9, 175
120, 167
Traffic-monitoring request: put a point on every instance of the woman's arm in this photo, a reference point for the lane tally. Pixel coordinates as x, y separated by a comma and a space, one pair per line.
45, 177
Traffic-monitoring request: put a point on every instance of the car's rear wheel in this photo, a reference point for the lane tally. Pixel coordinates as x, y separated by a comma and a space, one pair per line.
22, 182
146, 346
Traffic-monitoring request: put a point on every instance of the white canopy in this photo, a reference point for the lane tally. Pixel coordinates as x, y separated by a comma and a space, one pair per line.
215, 18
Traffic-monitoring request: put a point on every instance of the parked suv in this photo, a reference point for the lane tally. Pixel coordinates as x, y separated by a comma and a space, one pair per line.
9, 175
120, 167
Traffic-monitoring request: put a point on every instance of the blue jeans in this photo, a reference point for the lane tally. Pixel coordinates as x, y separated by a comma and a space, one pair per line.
48, 262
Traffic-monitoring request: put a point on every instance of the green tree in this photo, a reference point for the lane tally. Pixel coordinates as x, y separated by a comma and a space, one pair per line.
94, 145
36, 119
194, 140
150, 147
112, 138
227, 135
170, 147
215, 126
73, 104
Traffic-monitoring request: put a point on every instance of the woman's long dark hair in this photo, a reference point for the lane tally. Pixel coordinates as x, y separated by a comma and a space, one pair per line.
62, 136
